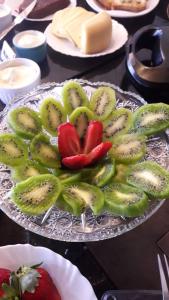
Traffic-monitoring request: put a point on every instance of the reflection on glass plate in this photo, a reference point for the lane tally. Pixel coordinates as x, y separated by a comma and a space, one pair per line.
62, 225
119, 38
14, 4
67, 278
151, 4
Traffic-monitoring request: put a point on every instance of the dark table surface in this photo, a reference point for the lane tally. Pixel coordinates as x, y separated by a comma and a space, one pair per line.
127, 261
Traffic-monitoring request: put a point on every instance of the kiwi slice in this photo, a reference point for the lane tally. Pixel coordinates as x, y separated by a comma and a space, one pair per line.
102, 102
36, 194
128, 148
28, 169
63, 205
124, 200
45, 153
73, 96
121, 173
82, 195
13, 151
118, 122
52, 114
151, 118
25, 122
151, 178
102, 174
68, 177
80, 117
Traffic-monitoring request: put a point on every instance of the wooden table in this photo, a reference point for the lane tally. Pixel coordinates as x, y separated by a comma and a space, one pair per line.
128, 261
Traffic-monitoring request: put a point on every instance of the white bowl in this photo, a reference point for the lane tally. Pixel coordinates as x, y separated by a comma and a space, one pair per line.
7, 93
67, 278
5, 16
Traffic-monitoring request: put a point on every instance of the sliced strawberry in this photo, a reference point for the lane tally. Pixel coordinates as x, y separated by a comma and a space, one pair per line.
76, 161
93, 136
99, 152
68, 140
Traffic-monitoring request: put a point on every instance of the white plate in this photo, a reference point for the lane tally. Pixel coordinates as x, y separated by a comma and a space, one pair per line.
64, 46
71, 284
14, 4
151, 4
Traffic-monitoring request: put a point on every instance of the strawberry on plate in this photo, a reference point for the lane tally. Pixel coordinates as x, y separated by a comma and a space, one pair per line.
36, 284
4, 278
93, 136
68, 140
28, 283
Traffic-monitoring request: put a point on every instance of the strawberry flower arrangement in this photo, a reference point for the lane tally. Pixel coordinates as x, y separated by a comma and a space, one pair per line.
97, 161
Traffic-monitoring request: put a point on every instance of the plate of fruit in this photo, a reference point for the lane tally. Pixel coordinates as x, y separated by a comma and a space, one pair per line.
83, 161
37, 273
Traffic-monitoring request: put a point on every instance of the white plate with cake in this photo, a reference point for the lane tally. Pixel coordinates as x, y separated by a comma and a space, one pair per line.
122, 8
43, 10
81, 33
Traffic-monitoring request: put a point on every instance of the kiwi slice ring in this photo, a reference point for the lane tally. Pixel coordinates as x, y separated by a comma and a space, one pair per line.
67, 227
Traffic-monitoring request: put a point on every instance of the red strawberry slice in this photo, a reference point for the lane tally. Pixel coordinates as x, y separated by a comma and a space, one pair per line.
99, 152
76, 161
68, 140
93, 136
4, 278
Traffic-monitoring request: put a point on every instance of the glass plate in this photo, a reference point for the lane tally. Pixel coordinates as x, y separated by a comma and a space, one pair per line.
61, 225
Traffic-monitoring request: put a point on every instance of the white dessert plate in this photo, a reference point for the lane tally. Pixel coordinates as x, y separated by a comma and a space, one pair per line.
71, 284
64, 46
151, 4
14, 4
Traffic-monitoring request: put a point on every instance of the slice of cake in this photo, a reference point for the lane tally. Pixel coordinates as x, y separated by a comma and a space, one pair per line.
44, 8
96, 33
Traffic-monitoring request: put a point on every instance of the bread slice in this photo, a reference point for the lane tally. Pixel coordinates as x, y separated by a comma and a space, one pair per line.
107, 4
62, 18
130, 5
74, 27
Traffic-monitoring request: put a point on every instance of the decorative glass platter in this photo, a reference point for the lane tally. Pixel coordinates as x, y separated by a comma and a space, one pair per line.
61, 225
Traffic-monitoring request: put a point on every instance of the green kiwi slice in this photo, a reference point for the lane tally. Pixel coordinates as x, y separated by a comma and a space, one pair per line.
118, 122
102, 174
28, 169
128, 148
82, 195
151, 178
68, 177
80, 117
121, 173
103, 102
13, 151
63, 205
45, 153
36, 194
25, 122
124, 200
73, 96
52, 114
151, 118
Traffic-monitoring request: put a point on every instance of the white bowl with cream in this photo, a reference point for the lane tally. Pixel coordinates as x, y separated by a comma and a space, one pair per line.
18, 76
5, 17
